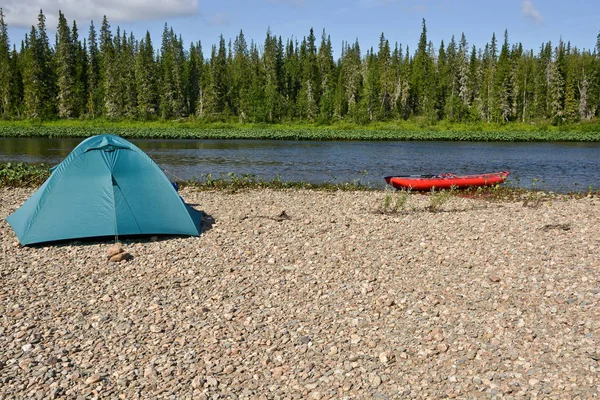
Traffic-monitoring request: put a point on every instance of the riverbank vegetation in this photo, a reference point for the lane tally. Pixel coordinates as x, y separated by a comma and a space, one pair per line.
405, 130
287, 88
396, 201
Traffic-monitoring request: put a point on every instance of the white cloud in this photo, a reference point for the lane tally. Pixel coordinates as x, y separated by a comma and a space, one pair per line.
24, 13
529, 11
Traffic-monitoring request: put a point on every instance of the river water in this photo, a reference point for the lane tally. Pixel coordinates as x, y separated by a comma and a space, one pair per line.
560, 167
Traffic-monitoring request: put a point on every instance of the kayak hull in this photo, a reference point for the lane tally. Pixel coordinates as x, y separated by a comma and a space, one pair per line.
446, 181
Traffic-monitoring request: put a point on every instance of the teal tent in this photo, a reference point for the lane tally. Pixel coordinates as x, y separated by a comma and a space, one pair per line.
105, 187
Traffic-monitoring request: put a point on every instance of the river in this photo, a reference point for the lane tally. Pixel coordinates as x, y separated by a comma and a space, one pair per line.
560, 167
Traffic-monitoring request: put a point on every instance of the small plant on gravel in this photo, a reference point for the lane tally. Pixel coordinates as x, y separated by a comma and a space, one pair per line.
387, 200
438, 198
402, 199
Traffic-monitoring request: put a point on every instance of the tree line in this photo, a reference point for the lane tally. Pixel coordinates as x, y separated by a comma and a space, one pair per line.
116, 76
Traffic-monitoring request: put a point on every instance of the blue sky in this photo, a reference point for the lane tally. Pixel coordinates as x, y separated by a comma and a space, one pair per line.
531, 22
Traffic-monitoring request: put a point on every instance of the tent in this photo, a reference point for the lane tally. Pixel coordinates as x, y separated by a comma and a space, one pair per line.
105, 187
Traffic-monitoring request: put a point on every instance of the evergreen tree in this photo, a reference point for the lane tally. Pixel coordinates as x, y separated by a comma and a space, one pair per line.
6, 75
94, 89
128, 82
309, 95
39, 81
65, 70
352, 82
257, 85
272, 61
80, 87
370, 96
387, 79
240, 78
423, 79
219, 79
172, 100
556, 92
109, 71
146, 80
327, 72
291, 78
504, 85
542, 79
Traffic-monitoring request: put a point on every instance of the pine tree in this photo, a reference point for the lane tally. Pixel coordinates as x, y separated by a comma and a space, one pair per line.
94, 89
423, 79
257, 86
172, 100
6, 75
80, 88
39, 81
128, 81
352, 82
309, 95
240, 77
220, 79
504, 85
387, 78
556, 88
109, 71
291, 78
369, 104
272, 62
327, 72
16, 88
65, 69
146, 80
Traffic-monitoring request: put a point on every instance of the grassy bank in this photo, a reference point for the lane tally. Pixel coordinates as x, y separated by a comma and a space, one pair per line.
398, 130
34, 175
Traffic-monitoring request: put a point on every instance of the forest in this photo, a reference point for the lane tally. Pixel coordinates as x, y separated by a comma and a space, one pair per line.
114, 76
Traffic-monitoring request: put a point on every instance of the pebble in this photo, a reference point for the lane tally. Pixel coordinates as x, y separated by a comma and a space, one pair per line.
338, 301
95, 378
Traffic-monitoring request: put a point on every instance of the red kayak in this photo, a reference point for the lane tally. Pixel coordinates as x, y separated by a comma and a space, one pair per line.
445, 181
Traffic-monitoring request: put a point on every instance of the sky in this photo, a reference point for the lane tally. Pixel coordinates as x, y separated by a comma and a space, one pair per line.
530, 22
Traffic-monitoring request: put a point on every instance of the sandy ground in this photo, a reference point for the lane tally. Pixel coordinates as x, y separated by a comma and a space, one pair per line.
305, 294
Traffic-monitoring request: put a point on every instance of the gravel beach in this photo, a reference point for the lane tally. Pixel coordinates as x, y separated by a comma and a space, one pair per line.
298, 294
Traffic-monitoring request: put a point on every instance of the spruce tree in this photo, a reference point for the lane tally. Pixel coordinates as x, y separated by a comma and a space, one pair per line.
423, 79
146, 79
94, 89
39, 81
327, 72
109, 71
65, 70
387, 79
5, 70
80, 88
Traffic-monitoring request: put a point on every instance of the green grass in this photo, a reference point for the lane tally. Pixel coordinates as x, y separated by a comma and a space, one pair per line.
397, 130
23, 175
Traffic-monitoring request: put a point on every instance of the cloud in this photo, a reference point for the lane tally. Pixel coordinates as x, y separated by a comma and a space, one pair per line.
529, 11
24, 13
219, 19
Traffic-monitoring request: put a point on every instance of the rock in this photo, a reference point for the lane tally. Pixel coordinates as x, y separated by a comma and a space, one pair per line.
95, 378
155, 329
209, 316
198, 382
124, 256
114, 250
212, 381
